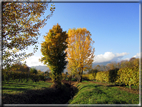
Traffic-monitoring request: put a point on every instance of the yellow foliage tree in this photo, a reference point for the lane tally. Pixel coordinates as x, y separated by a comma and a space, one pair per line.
129, 75
20, 28
80, 53
54, 55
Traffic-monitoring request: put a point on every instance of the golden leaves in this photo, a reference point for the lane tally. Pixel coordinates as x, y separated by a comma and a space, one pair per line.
79, 51
53, 48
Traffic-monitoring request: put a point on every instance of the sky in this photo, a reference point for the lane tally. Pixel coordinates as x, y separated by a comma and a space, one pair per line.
114, 28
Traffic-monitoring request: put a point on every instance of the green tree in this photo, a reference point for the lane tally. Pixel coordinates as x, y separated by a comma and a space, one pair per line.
33, 70
53, 51
20, 28
23, 68
17, 70
33, 73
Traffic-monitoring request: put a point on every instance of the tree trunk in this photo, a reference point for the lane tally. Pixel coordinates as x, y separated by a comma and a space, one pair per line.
130, 87
80, 74
56, 84
80, 80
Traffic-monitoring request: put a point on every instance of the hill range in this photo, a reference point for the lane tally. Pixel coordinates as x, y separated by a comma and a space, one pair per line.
45, 68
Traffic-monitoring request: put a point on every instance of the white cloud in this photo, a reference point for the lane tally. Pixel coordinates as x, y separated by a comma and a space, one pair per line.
33, 61
137, 55
109, 56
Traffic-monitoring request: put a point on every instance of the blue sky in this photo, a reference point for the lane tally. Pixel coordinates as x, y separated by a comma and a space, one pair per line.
114, 28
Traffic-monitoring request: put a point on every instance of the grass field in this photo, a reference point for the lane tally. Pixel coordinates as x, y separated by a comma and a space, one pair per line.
14, 87
133, 87
34, 93
90, 93
84, 93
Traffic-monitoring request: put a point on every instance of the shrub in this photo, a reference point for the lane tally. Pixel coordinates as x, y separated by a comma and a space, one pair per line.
128, 76
102, 76
113, 75
85, 77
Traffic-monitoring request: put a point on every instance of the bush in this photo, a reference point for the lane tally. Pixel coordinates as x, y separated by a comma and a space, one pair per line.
85, 77
33, 70
128, 76
113, 75
102, 76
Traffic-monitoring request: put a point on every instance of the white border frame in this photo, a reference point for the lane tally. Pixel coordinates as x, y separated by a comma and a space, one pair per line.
85, 1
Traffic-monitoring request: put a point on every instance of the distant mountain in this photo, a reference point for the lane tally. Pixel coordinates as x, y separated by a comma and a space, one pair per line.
45, 68
42, 68
101, 63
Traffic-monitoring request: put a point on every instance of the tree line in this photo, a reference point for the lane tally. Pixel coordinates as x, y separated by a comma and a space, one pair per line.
125, 72
21, 72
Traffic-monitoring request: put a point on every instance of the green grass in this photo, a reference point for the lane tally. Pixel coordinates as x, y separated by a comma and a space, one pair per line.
14, 87
133, 87
90, 93
127, 86
34, 93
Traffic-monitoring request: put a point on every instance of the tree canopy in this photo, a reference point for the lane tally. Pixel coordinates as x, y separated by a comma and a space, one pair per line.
20, 28
53, 51
80, 52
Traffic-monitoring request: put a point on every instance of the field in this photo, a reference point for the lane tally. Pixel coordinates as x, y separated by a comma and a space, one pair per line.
14, 87
87, 92
34, 93
91, 93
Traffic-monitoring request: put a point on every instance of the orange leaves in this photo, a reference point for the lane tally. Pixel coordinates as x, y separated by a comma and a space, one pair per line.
79, 51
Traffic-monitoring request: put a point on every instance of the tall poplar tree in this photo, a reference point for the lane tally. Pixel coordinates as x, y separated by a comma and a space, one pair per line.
53, 51
80, 53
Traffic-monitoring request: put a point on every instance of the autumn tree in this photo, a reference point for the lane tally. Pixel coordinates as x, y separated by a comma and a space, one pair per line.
98, 67
80, 53
129, 75
112, 65
91, 71
20, 68
20, 28
124, 63
53, 51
